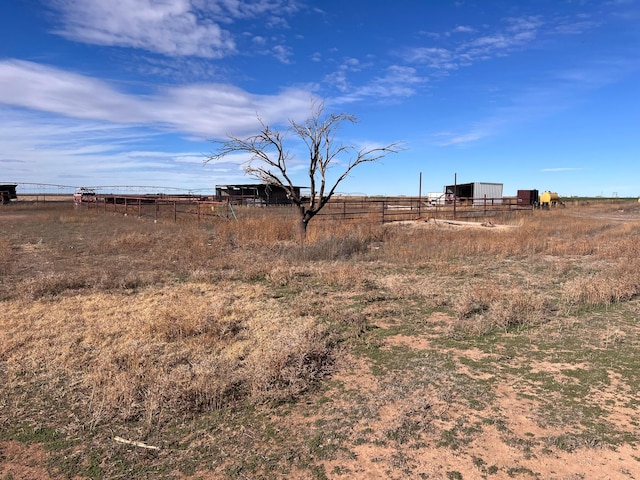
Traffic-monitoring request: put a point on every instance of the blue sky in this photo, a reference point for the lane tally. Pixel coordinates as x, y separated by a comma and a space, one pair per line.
532, 94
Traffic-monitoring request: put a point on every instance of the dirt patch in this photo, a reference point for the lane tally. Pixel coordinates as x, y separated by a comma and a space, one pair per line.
515, 447
453, 224
23, 461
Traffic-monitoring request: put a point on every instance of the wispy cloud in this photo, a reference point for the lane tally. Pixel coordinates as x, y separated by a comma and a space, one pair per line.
563, 90
205, 109
283, 53
437, 58
515, 33
463, 29
168, 27
397, 82
40, 148
560, 169
446, 139
575, 28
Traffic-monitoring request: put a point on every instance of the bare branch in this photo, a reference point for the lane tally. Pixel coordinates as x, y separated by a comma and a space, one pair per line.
268, 159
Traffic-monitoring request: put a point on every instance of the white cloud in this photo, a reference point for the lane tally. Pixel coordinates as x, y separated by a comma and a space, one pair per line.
47, 149
283, 53
575, 28
205, 109
168, 27
463, 29
517, 33
560, 169
433, 57
398, 81
449, 139
539, 102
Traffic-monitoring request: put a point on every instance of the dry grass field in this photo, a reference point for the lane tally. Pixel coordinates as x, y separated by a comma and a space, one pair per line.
428, 350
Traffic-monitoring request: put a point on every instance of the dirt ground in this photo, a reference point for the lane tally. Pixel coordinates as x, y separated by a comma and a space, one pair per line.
438, 463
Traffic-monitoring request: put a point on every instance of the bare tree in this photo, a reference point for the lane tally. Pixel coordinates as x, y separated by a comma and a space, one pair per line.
269, 158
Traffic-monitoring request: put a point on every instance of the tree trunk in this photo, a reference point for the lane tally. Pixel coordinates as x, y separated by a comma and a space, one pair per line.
303, 229
305, 217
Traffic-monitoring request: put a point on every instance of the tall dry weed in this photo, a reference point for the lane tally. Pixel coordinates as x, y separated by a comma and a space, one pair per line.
175, 349
605, 287
481, 309
5, 255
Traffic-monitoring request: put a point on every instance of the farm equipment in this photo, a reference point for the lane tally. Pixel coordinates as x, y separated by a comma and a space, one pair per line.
84, 195
549, 199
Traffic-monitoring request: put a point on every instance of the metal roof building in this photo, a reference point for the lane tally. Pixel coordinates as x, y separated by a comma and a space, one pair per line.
478, 192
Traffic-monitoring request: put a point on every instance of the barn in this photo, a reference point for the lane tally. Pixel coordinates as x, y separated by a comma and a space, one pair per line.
476, 192
254, 194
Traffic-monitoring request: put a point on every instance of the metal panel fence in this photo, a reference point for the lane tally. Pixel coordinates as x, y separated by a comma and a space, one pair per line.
346, 209
384, 210
157, 207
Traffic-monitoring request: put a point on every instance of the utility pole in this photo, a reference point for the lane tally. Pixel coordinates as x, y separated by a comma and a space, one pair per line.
455, 193
420, 195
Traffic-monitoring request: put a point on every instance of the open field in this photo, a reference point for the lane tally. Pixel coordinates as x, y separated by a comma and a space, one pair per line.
429, 350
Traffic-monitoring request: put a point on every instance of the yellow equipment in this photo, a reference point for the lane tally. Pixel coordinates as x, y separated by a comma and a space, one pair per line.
549, 199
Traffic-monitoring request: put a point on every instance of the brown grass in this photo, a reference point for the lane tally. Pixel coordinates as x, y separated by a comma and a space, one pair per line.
111, 321
174, 349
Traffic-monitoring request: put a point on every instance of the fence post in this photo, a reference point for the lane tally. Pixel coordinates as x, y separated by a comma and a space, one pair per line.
382, 203
174, 210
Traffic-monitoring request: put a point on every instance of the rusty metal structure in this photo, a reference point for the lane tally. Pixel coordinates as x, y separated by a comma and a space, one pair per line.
165, 206
528, 197
260, 194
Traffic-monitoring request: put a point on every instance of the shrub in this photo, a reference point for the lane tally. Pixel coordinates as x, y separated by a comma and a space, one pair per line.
484, 309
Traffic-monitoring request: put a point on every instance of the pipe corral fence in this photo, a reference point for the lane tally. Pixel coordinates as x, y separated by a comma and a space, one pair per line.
393, 209
351, 209
156, 207
340, 208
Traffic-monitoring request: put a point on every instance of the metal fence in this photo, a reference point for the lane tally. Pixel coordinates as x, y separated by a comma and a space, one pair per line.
347, 209
165, 207
392, 209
